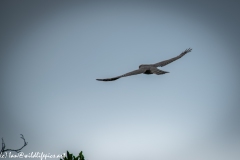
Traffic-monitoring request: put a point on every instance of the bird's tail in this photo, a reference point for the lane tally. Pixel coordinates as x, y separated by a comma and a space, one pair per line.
158, 71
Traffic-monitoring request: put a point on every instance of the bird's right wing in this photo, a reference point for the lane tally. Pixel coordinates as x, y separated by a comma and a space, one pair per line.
139, 71
164, 63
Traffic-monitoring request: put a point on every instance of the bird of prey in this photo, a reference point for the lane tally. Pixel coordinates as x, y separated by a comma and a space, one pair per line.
149, 68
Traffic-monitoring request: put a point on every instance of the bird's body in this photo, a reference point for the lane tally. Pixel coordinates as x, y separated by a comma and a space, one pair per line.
149, 68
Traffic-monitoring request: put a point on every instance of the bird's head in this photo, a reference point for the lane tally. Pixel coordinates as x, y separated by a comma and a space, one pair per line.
144, 65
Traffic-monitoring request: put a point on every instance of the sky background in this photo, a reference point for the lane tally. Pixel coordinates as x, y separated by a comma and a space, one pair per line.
51, 52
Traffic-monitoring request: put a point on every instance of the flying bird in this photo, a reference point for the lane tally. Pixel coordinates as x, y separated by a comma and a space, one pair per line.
149, 68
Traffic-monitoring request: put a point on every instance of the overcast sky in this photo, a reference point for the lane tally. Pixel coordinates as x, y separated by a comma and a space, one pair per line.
51, 53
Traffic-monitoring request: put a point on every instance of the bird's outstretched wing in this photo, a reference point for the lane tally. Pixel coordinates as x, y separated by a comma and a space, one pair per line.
139, 71
164, 63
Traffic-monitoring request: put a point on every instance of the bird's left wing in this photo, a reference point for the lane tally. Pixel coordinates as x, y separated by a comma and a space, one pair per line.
139, 71
164, 63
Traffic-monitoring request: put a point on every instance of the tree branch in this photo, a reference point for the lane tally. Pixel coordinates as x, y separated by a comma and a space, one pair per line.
15, 150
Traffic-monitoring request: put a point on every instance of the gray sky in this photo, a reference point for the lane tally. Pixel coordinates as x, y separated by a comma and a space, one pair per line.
52, 52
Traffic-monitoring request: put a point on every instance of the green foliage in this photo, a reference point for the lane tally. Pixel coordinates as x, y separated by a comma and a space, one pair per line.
72, 157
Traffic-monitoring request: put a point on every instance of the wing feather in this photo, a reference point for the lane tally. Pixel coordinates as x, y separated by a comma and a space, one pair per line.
139, 71
164, 63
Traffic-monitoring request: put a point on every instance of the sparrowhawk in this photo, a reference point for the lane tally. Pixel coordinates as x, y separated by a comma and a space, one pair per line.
149, 68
